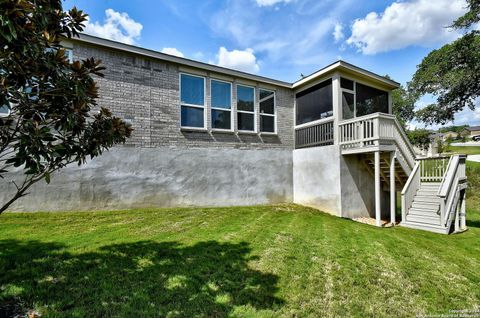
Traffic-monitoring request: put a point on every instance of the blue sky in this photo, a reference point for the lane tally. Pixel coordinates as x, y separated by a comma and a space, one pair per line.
283, 39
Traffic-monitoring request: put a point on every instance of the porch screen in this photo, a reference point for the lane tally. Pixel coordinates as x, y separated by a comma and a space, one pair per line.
314, 103
370, 100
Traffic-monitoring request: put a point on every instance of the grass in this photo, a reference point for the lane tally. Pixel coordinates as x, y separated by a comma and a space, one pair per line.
259, 261
467, 150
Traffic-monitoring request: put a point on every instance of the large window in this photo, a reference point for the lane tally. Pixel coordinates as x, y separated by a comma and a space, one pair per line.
360, 100
192, 101
267, 111
370, 100
221, 94
245, 108
314, 103
4, 110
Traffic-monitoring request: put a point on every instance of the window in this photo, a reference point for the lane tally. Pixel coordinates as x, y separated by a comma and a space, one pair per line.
359, 100
4, 111
267, 111
69, 55
221, 94
348, 105
245, 108
370, 100
314, 103
346, 83
192, 101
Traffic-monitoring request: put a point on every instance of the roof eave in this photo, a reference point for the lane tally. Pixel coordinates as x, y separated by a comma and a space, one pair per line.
344, 66
93, 40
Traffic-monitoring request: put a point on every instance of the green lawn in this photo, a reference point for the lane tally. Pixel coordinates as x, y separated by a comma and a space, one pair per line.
467, 150
259, 261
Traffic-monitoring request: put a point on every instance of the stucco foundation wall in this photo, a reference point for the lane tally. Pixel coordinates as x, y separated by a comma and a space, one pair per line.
358, 189
316, 178
128, 177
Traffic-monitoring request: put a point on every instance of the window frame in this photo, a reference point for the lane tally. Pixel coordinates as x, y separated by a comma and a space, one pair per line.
5, 115
254, 113
354, 92
204, 107
274, 115
222, 109
295, 106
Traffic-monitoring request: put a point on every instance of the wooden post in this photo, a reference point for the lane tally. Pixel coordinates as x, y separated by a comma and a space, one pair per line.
392, 188
463, 213
377, 189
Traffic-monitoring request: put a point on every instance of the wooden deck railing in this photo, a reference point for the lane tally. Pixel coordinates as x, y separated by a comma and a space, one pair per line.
315, 134
374, 130
433, 169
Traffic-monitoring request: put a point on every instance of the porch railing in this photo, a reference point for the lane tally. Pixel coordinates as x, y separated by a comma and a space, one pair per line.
433, 169
315, 134
374, 130
452, 183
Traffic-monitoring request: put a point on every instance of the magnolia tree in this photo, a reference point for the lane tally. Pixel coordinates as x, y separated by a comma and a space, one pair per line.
47, 103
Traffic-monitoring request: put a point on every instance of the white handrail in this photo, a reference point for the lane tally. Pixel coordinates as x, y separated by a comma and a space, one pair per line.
410, 189
373, 128
449, 189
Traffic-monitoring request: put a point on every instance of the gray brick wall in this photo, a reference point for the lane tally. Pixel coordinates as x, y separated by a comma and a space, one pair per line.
146, 93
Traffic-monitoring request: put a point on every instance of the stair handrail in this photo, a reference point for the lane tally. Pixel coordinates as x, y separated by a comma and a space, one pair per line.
449, 188
410, 189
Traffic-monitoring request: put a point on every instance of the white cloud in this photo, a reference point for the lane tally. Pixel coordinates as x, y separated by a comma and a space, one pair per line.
118, 26
415, 22
338, 32
172, 51
240, 60
267, 3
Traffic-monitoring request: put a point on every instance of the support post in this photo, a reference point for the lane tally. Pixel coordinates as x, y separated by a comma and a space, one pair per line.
377, 189
463, 213
392, 188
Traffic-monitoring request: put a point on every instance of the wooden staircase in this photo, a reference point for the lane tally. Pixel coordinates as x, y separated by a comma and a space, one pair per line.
433, 189
400, 174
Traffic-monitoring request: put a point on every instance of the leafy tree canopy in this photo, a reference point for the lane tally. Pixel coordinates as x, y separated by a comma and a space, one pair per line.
451, 73
50, 101
403, 105
420, 138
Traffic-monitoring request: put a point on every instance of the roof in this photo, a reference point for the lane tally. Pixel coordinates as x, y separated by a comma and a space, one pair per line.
349, 68
338, 65
473, 128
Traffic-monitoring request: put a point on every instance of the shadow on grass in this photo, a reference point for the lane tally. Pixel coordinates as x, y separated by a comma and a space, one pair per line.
132, 279
473, 223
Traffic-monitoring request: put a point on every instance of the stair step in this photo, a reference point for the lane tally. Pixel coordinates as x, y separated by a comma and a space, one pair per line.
425, 192
427, 227
426, 206
427, 198
424, 219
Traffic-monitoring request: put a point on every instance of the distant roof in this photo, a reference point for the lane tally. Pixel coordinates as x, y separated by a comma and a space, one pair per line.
473, 128
339, 65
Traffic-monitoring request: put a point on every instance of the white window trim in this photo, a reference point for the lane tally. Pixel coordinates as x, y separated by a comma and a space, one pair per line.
193, 105
222, 109
254, 113
274, 115
321, 120
6, 114
70, 54
354, 92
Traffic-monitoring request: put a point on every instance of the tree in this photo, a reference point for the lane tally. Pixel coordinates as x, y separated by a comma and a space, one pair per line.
451, 73
50, 100
403, 105
420, 138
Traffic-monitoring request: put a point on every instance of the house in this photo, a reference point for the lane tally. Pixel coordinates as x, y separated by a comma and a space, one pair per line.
473, 131
449, 135
211, 136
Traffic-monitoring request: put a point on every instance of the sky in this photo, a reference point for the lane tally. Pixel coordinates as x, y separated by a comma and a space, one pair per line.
284, 39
